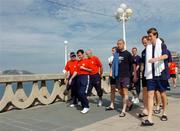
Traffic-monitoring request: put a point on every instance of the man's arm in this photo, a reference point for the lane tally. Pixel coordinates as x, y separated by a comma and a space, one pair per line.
99, 64
162, 57
101, 71
72, 77
133, 64
67, 74
135, 73
142, 67
86, 69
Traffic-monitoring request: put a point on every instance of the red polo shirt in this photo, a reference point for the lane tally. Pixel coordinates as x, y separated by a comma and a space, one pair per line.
95, 64
172, 68
84, 62
71, 66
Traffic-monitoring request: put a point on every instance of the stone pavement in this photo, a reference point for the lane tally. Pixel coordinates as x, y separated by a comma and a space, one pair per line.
60, 117
131, 122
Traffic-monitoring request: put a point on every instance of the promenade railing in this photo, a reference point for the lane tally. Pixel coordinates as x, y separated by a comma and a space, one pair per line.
16, 97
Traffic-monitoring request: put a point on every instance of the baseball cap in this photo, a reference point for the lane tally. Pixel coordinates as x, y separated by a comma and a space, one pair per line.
72, 54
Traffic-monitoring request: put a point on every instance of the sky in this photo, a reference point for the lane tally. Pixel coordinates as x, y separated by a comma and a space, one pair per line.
32, 32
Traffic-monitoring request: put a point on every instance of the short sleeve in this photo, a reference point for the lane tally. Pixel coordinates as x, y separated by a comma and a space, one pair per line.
143, 55
131, 60
164, 49
169, 56
67, 67
110, 59
98, 62
76, 67
139, 61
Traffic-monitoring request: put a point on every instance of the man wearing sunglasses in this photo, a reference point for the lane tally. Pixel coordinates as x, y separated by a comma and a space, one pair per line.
70, 68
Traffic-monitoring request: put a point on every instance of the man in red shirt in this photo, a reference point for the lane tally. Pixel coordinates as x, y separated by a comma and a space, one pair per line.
82, 72
172, 72
95, 76
70, 68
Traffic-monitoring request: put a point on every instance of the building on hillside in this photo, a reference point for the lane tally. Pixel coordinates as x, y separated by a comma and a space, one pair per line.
176, 58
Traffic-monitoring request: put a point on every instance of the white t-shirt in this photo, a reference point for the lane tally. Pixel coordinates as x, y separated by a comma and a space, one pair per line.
110, 59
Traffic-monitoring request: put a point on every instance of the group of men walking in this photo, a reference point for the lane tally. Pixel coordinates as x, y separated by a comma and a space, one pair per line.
85, 73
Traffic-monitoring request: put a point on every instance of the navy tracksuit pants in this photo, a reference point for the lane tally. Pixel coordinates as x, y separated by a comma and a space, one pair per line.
73, 88
95, 81
83, 82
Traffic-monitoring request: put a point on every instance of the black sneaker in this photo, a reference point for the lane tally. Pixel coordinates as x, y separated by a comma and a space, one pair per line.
147, 123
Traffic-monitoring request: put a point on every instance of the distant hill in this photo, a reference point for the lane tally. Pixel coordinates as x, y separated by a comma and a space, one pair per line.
15, 72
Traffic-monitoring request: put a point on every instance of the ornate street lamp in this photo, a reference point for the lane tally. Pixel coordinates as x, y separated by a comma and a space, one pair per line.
123, 13
65, 51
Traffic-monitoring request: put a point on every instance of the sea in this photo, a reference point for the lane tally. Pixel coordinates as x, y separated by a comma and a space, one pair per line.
27, 87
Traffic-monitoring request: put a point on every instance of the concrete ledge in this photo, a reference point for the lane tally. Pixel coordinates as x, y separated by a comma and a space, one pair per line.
26, 78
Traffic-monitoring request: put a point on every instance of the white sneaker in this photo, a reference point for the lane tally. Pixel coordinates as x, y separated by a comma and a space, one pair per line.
136, 101
72, 105
133, 99
100, 103
85, 110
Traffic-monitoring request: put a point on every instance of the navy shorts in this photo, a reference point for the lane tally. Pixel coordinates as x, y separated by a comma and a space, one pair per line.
160, 85
123, 82
173, 75
144, 82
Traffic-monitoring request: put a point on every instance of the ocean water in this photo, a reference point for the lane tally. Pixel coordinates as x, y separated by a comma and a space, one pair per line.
27, 87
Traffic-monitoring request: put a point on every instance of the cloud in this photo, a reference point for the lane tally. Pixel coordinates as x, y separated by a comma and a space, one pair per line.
15, 6
38, 28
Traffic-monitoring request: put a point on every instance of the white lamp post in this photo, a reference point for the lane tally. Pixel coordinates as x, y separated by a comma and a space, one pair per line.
65, 51
123, 13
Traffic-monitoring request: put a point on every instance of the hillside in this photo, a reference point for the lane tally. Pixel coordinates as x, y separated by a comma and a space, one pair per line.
15, 72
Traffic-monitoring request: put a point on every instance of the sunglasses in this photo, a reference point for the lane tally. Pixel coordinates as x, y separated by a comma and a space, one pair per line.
73, 56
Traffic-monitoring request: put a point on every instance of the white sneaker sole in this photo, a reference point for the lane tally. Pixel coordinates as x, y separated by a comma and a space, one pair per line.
84, 112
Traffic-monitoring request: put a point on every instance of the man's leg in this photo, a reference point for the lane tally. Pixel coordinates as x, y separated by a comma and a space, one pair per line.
150, 105
138, 89
132, 89
113, 91
112, 97
157, 102
164, 102
97, 85
126, 102
82, 93
124, 88
125, 99
74, 90
145, 100
174, 81
90, 86
152, 85
163, 86
123, 112
121, 92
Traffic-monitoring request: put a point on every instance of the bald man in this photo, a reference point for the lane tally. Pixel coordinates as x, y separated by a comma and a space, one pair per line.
95, 76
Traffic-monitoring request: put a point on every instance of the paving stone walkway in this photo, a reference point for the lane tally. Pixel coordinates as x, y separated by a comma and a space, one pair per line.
60, 117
